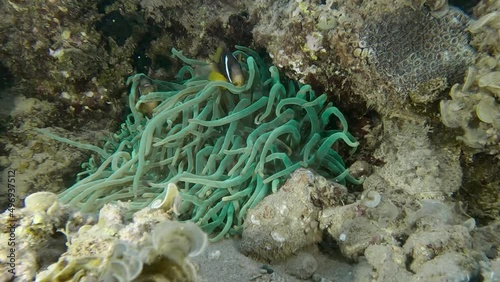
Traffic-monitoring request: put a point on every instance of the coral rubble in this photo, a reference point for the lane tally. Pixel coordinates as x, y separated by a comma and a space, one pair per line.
107, 248
417, 80
381, 52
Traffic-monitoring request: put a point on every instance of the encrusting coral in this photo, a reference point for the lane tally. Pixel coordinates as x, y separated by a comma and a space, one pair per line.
286, 221
412, 47
224, 146
34, 228
474, 106
383, 53
150, 247
113, 250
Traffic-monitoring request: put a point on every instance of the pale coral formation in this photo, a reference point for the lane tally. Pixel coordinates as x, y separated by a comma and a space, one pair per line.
413, 164
474, 106
33, 230
286, 221
151, 247
112, 248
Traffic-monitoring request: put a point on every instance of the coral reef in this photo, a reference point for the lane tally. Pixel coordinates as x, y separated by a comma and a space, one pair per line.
399, 58
38, 162
223, 151
109, 248
473, 109
74, 56
77, 53
34, 228
369, 55
414, 164
53, 50
286, 221
427, 210
431, 241
412, 47
474, 105
379, 52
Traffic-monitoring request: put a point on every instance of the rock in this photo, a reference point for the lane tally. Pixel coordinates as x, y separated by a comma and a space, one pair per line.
283, 222
302, 266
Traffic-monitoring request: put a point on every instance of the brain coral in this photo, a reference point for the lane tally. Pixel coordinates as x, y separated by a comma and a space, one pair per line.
412, 46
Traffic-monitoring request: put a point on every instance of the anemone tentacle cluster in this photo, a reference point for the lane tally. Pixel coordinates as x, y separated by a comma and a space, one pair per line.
224, 146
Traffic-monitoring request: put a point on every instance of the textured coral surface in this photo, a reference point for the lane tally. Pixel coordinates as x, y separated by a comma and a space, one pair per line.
418, 84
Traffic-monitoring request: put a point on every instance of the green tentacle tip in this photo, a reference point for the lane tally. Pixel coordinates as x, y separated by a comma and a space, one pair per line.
225, 147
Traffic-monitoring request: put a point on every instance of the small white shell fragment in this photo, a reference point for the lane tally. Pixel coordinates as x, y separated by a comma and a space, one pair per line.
371, 199
254, 220
277, 237
470, 224
168, 200
214, 255
342, 237
65, 95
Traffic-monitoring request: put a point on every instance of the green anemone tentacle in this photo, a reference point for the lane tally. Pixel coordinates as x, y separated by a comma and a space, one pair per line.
225, 146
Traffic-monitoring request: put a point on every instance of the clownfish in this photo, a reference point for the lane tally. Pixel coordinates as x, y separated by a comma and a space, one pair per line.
145, 87
226, 68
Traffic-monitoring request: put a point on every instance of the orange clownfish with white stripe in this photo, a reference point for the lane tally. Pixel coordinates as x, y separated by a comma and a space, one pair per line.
226, 68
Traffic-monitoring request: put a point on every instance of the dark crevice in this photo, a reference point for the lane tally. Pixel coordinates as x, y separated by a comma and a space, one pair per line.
464, 5
6, 77
116, 26
101, 5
